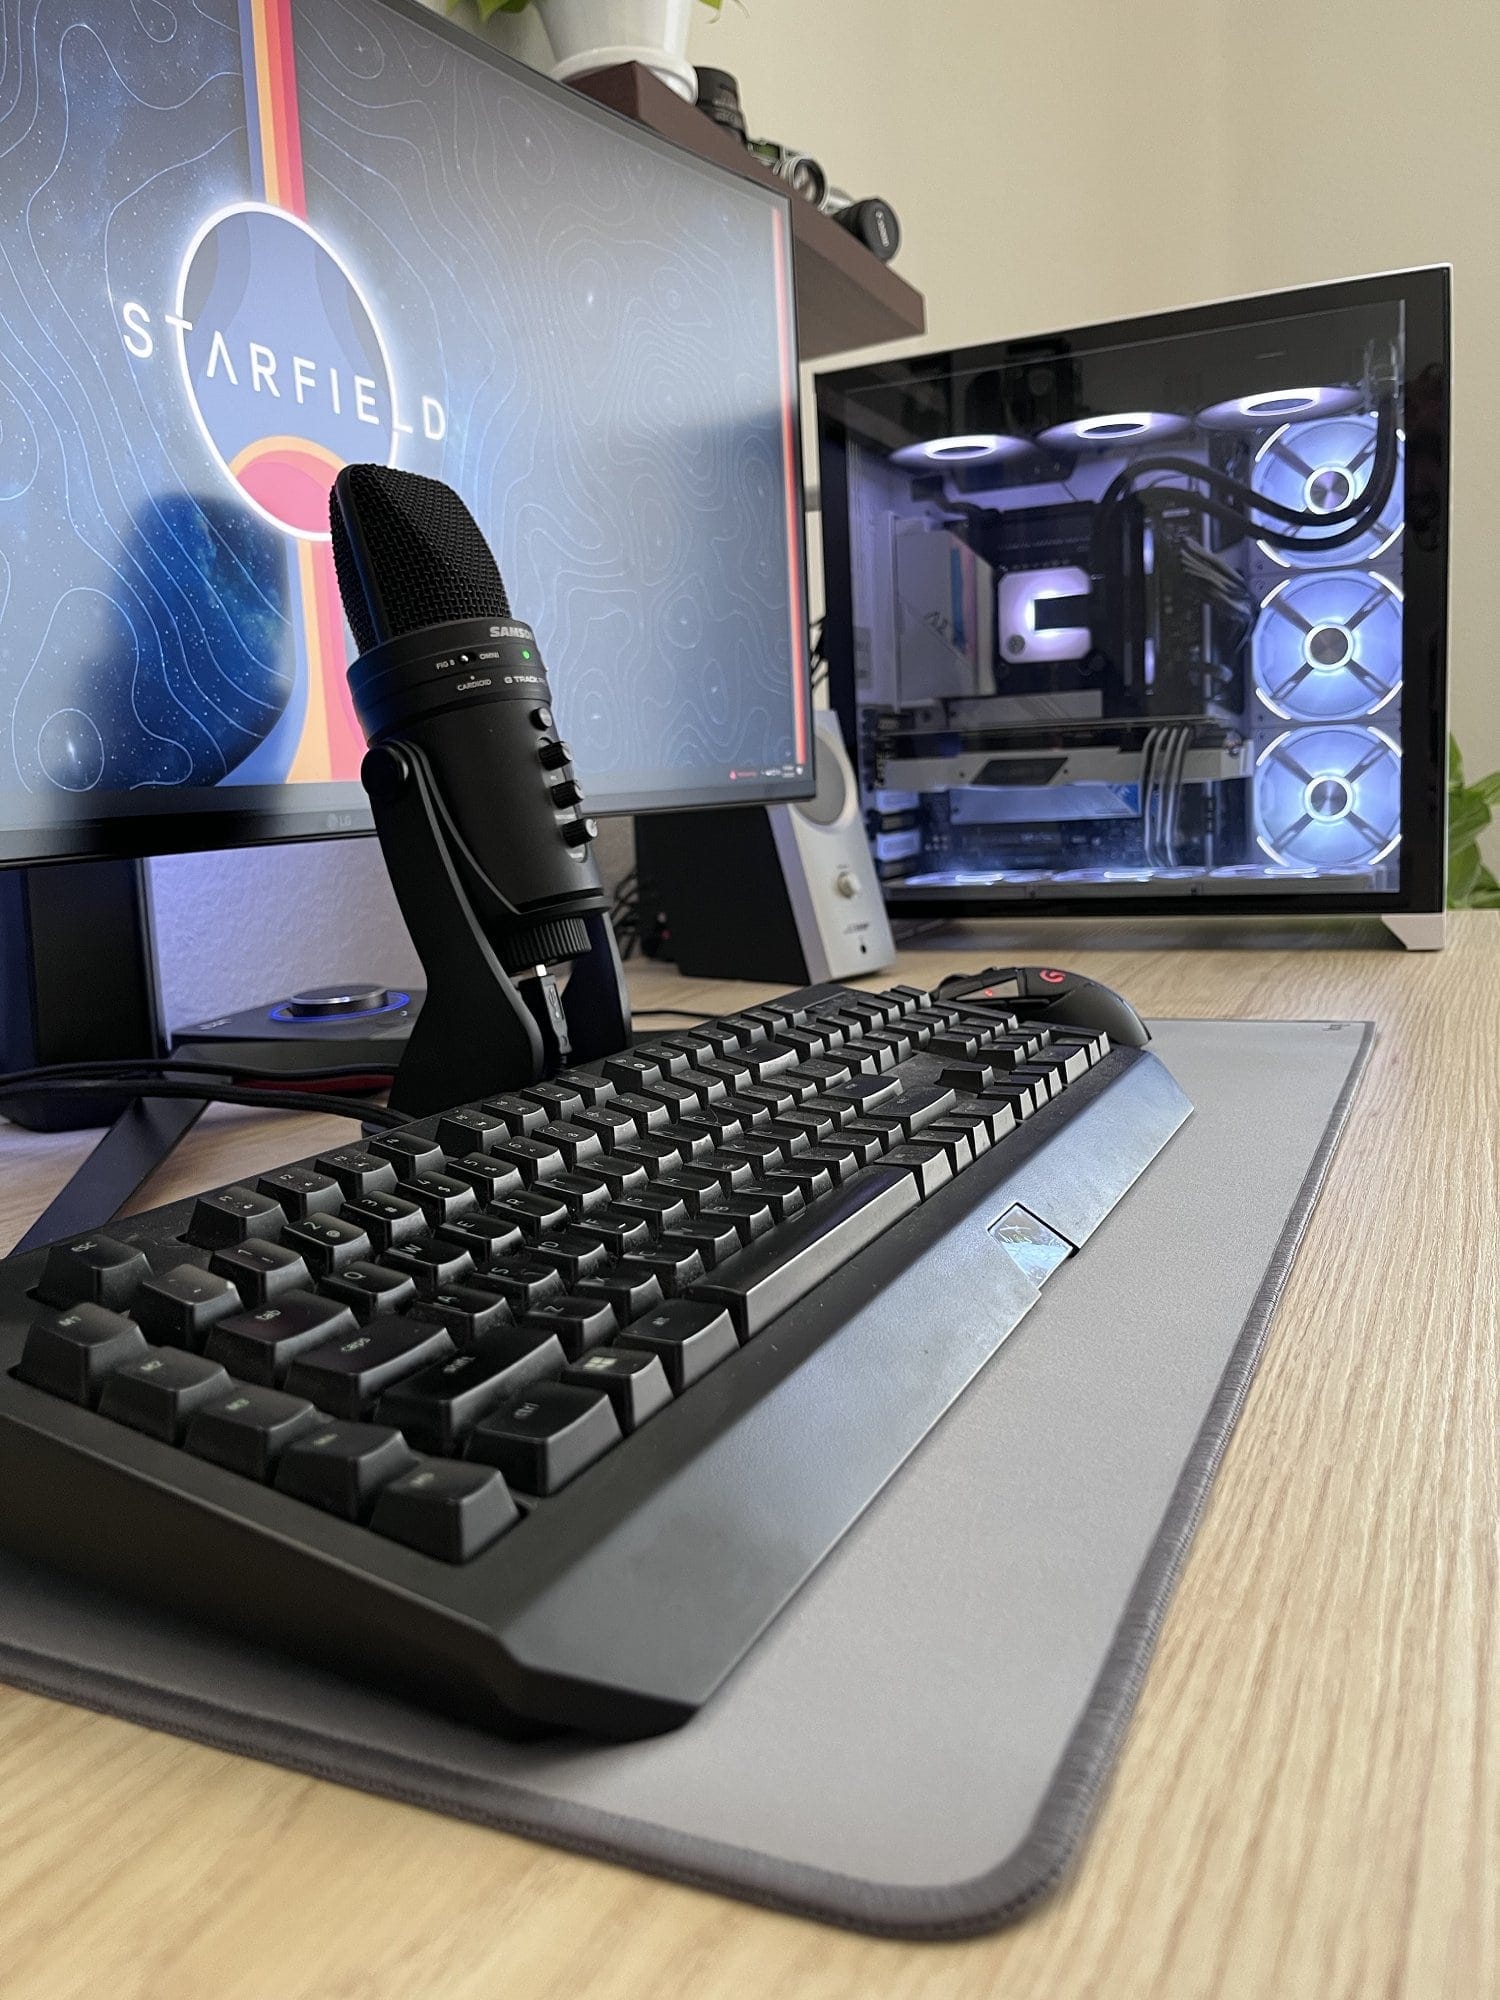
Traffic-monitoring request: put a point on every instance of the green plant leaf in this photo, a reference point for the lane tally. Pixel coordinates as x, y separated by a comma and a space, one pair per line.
1455, 765
1468, 816
489, 7
1464, 871
1488, 789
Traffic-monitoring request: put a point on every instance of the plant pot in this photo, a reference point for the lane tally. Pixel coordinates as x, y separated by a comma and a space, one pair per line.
599, 34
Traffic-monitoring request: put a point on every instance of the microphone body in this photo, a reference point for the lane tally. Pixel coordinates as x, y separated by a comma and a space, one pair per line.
472, 698
475, 799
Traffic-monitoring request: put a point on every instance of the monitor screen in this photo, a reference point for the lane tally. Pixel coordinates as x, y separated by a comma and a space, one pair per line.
246, 242
1151, 611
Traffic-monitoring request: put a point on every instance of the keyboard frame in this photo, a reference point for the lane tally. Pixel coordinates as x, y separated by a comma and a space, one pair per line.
621, 1571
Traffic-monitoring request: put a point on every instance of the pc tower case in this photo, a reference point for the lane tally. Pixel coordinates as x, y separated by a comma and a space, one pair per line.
1152, 613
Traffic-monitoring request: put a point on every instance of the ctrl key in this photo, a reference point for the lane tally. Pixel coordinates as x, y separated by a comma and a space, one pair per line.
446, 1508
343, 1467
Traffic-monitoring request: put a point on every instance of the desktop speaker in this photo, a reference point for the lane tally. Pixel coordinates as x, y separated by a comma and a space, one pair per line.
784, 893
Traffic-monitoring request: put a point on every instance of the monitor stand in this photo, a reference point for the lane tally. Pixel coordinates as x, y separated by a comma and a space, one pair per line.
78, 983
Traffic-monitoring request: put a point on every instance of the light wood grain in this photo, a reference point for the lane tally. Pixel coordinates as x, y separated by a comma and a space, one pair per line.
1308, 1803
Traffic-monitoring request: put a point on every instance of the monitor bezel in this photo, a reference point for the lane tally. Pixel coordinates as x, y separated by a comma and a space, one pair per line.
265, 816
1426, 294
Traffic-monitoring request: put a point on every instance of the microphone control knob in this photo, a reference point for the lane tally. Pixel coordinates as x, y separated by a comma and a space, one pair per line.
554, 754
579, 832
567, 792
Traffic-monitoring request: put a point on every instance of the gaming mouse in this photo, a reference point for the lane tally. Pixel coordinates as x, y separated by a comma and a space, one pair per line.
1046, 993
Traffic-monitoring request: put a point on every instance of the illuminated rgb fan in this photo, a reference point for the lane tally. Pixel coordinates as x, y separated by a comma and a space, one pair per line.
1117, 429
1278, 406
1328, 648
1328, 798
1320, 467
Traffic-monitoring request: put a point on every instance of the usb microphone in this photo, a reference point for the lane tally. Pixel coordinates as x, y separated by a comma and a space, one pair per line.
475, 799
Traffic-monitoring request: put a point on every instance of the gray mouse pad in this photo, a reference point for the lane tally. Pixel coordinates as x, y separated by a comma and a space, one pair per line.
919, 1743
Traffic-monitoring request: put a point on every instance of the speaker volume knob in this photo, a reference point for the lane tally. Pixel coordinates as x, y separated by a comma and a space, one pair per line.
845, 883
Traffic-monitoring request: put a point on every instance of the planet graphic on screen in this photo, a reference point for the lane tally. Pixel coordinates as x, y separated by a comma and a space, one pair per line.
285, 368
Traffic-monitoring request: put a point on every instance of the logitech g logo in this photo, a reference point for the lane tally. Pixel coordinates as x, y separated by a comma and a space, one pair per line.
283, 363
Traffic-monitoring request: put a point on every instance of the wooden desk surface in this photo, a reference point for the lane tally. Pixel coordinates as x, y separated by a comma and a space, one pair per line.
1308, 1803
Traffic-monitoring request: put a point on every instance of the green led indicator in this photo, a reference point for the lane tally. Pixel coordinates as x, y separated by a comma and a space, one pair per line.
525, 652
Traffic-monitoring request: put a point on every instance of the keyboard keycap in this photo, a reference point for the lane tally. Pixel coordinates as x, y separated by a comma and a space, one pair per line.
261, 1346
696, 1191
387, 1219
532, 1212
247, 1430
628, 1292
519, 1114
577, 1143
674, 1265
260, 1272
785, 1197
785, 1266
714, 1238
750, 1215
579, 1323
490, 1179
915, 1108
437, 1407
688, 1336
619, 1233
452, 1512
521, 1281
358, 1172
573, 1253
929, 1166
158, 1391
864, 1093
537, 1158
545, 1436
634, 1071
594, 1090
370, 1290
345, 1376
326, 1243
467, 1313
232, 1214
620, 1178
440, 1197
410, 1154
658, 1208
300, 1191
463, 1132
433, 1266
634, 1381
92, 1270
555, 1099
584, 1194
342, 1467
178, 1307
649, 1113
484, 1237
73, 1354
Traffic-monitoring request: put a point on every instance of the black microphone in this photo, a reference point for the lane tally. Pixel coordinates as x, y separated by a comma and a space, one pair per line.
446, 666
475, 799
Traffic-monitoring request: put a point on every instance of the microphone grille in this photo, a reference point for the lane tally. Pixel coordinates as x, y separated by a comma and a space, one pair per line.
409, 554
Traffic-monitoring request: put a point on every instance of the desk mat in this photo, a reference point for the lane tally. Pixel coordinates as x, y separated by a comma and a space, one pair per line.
919, 1744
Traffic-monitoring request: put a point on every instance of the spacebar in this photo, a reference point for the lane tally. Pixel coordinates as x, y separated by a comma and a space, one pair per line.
786, 1264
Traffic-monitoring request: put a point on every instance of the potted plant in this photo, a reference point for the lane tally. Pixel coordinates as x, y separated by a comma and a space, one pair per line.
597, 34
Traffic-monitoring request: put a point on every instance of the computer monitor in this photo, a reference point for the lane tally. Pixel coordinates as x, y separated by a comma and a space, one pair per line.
245, 244
1152, 612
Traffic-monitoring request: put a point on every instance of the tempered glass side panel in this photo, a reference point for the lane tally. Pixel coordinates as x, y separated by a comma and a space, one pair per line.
1151, 611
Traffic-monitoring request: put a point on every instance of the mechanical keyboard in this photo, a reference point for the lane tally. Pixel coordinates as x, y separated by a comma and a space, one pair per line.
541, 1410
